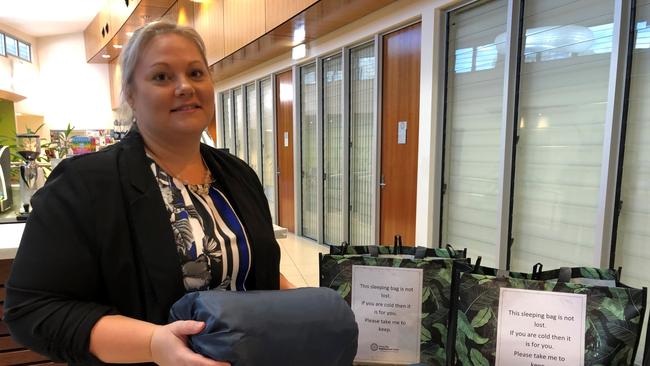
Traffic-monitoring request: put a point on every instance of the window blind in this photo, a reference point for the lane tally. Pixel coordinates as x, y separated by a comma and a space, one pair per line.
562, 104
362, 90
473, 122
333, 149
308, 150
225, 121
240, 127
633, 231
253, 129
268, 155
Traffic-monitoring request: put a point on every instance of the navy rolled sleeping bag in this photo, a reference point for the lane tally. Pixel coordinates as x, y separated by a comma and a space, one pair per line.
305, 326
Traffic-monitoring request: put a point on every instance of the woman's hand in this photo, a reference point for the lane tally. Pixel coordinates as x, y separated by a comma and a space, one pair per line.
169, 345
285, 284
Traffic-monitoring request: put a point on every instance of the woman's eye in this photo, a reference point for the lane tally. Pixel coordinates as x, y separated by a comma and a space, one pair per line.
197, 73
160, 77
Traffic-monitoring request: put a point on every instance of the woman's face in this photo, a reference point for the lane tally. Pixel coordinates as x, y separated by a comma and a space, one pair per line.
172, 93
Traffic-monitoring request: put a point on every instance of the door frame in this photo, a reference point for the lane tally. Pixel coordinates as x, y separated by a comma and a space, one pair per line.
297, 158
274, 144
376, 164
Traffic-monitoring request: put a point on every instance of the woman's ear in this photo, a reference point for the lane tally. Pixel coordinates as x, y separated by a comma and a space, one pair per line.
128, 96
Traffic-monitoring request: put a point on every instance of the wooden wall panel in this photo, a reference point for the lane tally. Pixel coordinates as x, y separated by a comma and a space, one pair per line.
322, 17
279, 11
243, 22
120, 12
209, 22
92, 36
113, 14
114, 78
182, 12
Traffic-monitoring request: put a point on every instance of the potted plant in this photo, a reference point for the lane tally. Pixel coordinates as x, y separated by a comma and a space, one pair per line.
62, 145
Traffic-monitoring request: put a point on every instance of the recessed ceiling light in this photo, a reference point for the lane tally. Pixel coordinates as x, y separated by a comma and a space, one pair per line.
118, 46
106, 56
129, 34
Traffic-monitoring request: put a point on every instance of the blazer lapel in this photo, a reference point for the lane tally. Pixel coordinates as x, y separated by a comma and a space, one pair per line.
150, 227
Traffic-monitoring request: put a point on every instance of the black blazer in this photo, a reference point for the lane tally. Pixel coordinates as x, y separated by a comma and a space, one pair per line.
99, 241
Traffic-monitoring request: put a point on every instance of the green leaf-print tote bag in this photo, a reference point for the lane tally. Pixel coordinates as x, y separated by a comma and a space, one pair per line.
336, 273
613, 323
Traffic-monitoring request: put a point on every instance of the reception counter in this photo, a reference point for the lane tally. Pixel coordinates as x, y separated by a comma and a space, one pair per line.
10, 234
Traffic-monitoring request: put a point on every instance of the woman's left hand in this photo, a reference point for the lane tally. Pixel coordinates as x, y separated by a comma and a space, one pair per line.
285, 284
169, 345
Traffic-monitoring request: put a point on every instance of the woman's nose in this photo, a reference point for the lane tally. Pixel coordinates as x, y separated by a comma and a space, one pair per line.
184, 88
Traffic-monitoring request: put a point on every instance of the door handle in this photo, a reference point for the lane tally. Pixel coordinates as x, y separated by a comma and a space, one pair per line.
382, 183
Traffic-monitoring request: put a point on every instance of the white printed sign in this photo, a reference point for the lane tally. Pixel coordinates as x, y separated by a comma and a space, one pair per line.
540, 328
387, 304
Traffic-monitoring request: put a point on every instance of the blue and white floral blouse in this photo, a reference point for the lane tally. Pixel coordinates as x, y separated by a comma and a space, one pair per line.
211, 242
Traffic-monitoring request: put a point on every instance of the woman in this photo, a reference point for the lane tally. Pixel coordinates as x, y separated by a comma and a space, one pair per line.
116, 237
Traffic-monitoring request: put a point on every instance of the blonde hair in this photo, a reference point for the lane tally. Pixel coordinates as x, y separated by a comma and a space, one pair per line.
138, 42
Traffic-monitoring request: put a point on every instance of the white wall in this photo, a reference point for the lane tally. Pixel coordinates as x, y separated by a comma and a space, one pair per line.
382, 21
73, 90
21, 77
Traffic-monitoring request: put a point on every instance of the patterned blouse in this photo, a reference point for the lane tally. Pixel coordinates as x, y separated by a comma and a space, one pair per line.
211, 242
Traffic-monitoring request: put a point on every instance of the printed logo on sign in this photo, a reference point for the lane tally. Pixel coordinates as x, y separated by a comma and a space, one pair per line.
375, 347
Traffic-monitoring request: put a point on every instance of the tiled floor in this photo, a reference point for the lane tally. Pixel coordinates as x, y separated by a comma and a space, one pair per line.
299, 263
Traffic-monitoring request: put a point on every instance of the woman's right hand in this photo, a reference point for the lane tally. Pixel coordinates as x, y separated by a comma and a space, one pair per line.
169, 345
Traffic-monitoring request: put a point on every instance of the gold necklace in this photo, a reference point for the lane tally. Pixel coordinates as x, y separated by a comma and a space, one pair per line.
200, 188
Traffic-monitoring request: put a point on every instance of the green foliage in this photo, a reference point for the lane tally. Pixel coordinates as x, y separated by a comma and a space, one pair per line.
477, 358
344, 289
442, 329
62, 145
611, 328
336, 273
425, 335
482, 317
465, 327
384, 250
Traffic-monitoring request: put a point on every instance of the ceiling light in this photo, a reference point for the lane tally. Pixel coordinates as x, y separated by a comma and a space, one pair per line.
129, 34
106, 56
299, 52
299, 35
118, 46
